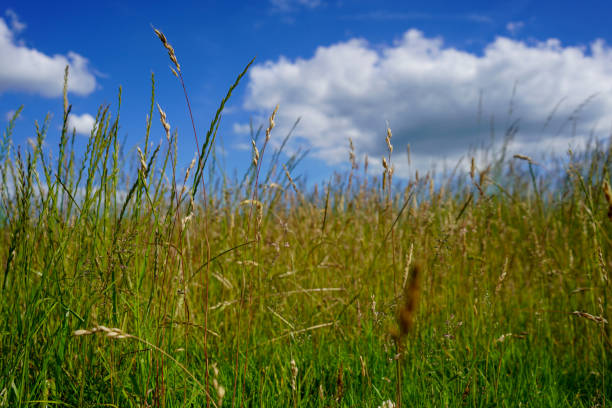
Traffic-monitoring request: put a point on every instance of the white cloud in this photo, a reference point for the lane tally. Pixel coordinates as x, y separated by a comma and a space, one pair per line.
26, 69
242, 129
385, 15
291, 5
82, 124
514, 27
430, 95
242, 146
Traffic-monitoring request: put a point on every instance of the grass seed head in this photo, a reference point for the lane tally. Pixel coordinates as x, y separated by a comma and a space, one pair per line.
255, 153
143, 163
294, 373
271, 123
164, 122
352, 157
114, 333
588, 316
168, 48
525, 158
388, 140
472, 168
608, 194
407, 310
408, 263
340, 383
502, 277
364, 370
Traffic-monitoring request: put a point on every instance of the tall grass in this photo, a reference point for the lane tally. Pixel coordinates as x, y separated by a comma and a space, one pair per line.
145, 287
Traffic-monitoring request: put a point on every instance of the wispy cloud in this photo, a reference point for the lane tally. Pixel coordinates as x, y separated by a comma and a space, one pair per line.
294, 5
385, 15
16, 25
514, 27
242, 129
25, 69
440, 99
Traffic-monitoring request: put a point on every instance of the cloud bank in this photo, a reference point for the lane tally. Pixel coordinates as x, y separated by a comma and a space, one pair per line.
24, 69
440, 100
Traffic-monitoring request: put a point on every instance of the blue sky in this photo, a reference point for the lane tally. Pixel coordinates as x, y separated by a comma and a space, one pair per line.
442, 74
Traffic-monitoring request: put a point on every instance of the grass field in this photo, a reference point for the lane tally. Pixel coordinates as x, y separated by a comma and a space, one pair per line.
137, 286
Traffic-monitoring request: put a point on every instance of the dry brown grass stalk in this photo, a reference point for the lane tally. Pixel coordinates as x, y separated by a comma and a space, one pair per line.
294, 332
340, 384
291, 180
472, 169
502, 277
408, 263
588, 316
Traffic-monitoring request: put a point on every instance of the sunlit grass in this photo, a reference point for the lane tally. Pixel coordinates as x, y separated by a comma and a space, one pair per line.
152, 288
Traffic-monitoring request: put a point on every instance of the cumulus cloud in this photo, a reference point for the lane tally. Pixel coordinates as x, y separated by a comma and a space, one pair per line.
440, 100
82, 124
25, 69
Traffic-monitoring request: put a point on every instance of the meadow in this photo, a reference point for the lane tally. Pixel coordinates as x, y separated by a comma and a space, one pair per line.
138, 286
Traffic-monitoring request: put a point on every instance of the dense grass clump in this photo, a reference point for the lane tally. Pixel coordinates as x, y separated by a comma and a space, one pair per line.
145, 287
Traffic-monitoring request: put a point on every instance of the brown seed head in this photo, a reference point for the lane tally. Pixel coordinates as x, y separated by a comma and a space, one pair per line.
472, 169
340, 384
588, 316
352, 154
407, 310
525, 158
161, 36
608, 193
